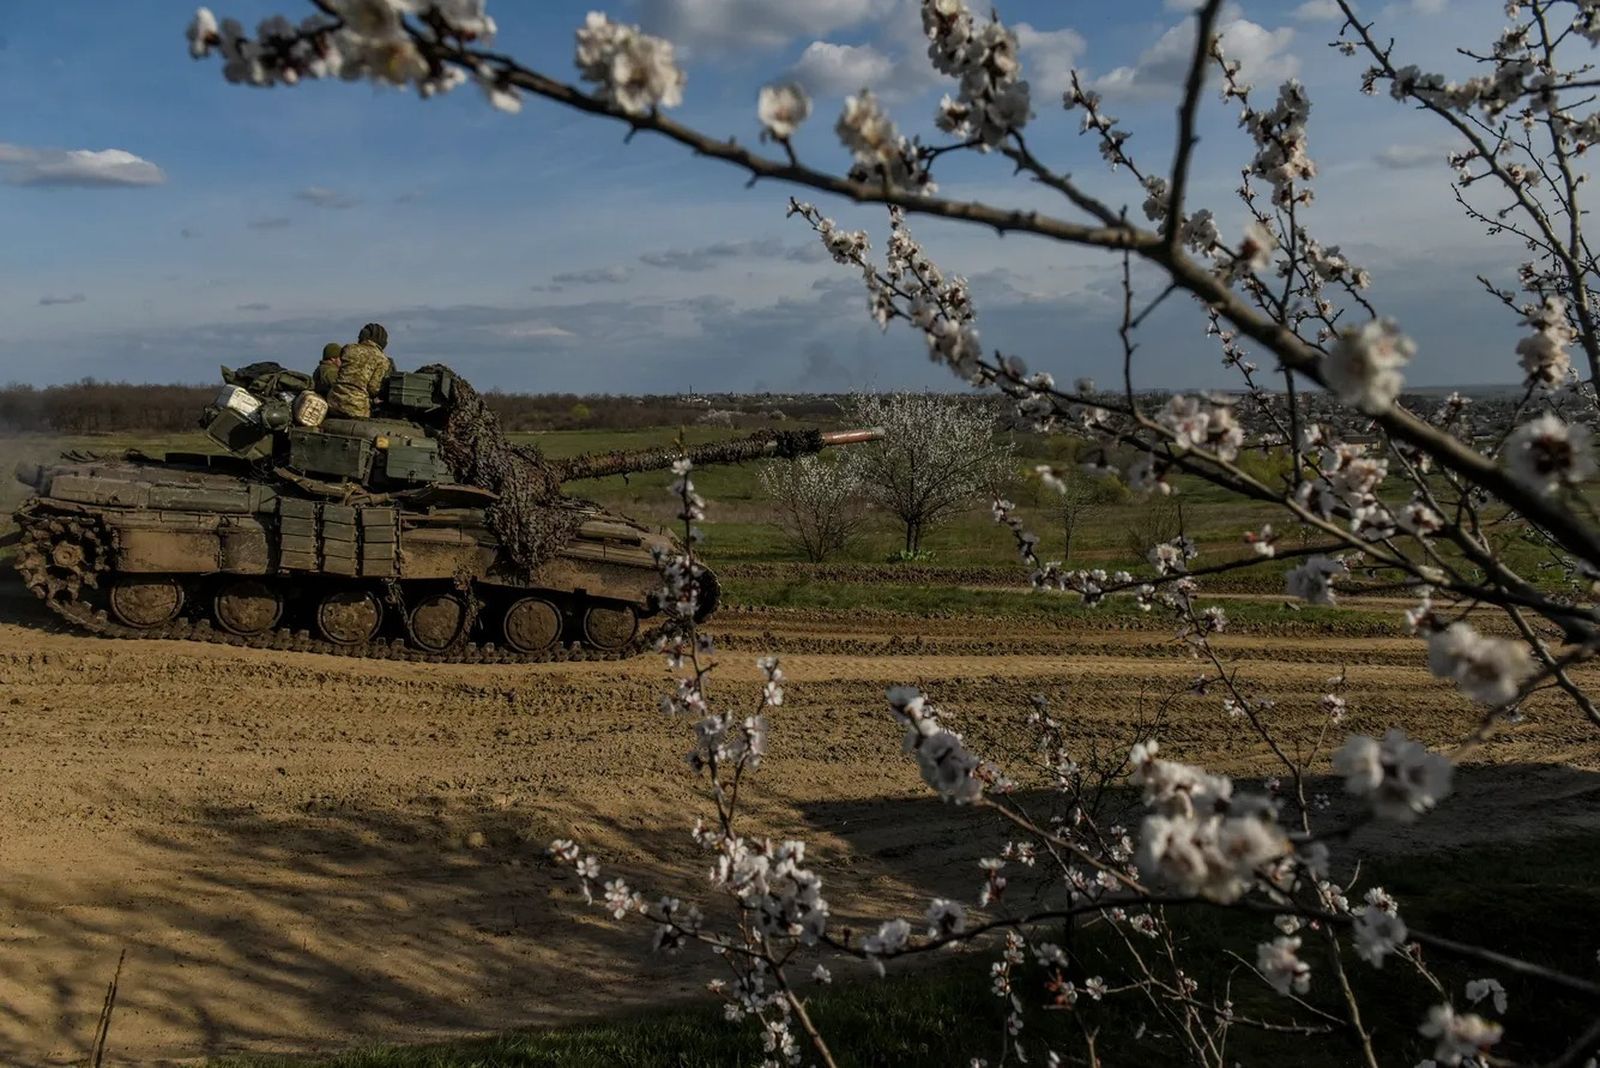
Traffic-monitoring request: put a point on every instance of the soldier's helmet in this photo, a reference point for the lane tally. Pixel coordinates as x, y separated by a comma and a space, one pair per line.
331, 350
375, 333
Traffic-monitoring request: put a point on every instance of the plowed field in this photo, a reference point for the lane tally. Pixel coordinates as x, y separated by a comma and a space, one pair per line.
301, 852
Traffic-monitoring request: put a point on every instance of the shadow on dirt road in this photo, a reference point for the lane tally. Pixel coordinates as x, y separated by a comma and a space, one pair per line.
336, 926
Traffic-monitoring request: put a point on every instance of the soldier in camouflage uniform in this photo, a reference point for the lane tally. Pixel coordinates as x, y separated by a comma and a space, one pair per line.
328, 370
362, 369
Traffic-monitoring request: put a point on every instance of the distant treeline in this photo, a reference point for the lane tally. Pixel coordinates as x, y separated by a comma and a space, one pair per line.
92, 407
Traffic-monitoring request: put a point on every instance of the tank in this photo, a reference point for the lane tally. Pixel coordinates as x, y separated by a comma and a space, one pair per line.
419, 533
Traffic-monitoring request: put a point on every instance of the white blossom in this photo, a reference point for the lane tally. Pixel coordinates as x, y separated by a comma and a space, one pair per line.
1378, 932
1364, 367
1155, 202
1199, 836
633, 70
1420, 518
1478, 989
1400, 777
784, 896
501, 95
1279, 962
1545, 454
1312, 579
1195, 424
620, 900
889, 939
1458, 1036
881, 154
370, 18
1280, 136
1199, 232
945, 762
946, 918
1543, 355
1254, 253
1487, 670
991, 99
202, 33
781, 109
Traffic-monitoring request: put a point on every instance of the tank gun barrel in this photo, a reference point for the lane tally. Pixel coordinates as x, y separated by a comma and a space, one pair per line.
851, 437
788, 444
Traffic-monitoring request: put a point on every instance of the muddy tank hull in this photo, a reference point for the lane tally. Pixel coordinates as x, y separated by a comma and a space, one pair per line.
191, 550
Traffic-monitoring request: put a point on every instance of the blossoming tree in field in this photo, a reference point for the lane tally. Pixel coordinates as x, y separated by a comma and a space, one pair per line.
1417, 505
935, 457
818, 501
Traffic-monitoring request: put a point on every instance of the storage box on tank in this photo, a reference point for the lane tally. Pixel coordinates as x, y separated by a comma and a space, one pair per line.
237, 399
415, 460
330, 455
240, 434
416, 391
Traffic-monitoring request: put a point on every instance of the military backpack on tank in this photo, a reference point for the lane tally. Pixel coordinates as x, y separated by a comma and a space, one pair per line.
420, 533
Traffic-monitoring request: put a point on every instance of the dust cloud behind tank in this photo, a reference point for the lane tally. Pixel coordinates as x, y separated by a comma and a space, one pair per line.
420, 533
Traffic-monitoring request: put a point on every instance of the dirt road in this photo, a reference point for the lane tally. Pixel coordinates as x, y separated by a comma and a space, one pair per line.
301, 852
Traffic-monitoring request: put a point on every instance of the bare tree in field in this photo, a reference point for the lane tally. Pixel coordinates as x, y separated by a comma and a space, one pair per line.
1079, 496
819, 503
937, 456
1271, 284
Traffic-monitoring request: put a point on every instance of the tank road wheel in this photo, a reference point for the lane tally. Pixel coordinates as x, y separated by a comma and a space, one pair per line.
247, 607
349, 617
531, 625
710, 593
145, 601
436, 621
609, 627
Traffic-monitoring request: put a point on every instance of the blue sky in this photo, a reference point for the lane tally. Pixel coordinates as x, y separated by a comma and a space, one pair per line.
220, 224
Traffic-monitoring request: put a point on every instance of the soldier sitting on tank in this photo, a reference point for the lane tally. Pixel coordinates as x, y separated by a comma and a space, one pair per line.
327, 373
362, 369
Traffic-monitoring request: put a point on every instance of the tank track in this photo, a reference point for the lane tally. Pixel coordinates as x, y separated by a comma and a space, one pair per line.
61, 589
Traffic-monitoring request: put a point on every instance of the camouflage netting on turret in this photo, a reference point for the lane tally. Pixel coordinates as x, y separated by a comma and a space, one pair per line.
532, 519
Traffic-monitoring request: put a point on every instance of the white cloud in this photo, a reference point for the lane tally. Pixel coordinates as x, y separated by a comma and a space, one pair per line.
593, 277
1405, 157
531, 330
323, 197
21, 165
1318, 11
710, 257
1049, 56
828, 69
1181, 7
1262, 53
736, 25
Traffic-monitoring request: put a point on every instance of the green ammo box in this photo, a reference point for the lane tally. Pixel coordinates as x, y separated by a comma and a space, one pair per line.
417, 460
414, 391
239, 435
335, 455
